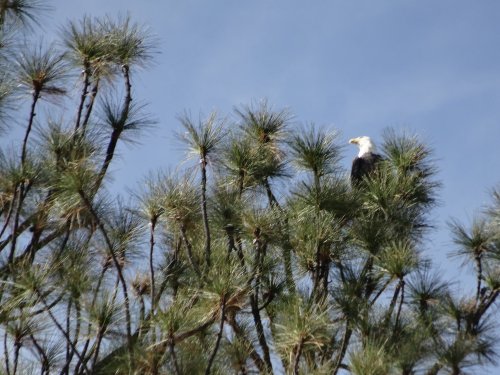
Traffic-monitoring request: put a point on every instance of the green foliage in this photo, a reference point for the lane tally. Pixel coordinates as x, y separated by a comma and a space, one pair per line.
315, 151
204, 137
260, 123
306, 327
6, 101
41, 70
370, 360
269, 263
15, 13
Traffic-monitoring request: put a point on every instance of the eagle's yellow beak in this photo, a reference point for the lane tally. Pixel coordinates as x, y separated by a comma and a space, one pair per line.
354, 141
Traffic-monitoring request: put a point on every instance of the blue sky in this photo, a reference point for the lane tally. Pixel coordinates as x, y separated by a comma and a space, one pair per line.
357, 66
432, 67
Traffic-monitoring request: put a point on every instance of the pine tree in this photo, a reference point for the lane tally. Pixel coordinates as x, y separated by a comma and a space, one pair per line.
261, 258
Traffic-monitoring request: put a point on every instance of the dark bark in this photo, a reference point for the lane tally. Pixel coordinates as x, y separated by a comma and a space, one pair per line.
118, 127
59, 327
189, 250
151, 262
230, 239
110, 152
16, 223
9, 215
36, 96
273, 202
401, 301
99, 338
83, 96
260, 332
393, 303
298, 354
192, 332
259, 363
372, 302
434, 369
90, 106
77, 334
68, 329
89, 325
173, 357
6, 353
239, 251
343, 349
20, 229
254, 303
17, 347
219, 336
204, 212
118, 269
44, 358
479, 269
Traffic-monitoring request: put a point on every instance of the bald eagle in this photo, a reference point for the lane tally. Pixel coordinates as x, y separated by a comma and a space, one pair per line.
365, 162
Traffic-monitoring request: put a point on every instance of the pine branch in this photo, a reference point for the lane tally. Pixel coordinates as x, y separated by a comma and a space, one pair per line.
36, 96
298, 353
6, 353
259, 363
204, 212
17, 347
479, 276
401, 301
189, 250
173, 356
83, 97
118, 127
90, 106
151, 262
254, 303
43, 355
343, 349
59, 327
118, 269
219, 336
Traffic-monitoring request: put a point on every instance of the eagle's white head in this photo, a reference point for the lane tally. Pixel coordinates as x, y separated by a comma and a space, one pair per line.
364, 143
